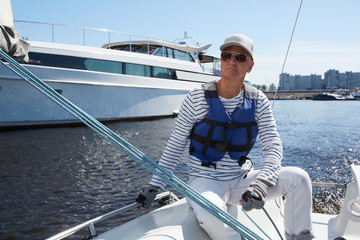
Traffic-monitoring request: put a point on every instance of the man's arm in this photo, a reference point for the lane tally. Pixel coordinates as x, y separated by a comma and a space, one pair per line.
271, 144
176, 145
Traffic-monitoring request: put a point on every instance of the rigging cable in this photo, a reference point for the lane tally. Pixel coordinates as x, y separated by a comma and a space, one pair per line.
272, 106
287, 52
282, 69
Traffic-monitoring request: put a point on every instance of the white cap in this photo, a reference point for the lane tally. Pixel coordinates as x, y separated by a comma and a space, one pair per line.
239, 40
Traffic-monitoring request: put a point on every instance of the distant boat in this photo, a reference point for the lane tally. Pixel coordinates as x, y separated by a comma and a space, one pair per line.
347, 94
357, 96
328, 96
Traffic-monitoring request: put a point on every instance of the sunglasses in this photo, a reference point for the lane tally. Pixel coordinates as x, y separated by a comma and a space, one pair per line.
239, 57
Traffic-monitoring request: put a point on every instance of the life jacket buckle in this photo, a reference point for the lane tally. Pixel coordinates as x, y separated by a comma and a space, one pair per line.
243, 160
228, 125
208, 164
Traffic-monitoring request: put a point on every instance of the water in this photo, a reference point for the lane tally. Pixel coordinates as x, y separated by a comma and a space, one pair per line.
52, 179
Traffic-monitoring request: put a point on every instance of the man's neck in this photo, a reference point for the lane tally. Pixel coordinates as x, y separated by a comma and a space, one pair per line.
229, 89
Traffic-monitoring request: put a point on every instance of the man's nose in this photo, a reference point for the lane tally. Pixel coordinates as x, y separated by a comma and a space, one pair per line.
232, 59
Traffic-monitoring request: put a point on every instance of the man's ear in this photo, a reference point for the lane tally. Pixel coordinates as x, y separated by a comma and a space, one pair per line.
251, 66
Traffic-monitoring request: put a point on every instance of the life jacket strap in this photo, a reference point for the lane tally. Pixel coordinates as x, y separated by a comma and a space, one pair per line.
221, 146
229, 125
207, 140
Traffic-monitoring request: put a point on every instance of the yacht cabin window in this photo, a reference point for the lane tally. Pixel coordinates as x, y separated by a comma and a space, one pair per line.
103, 66
156, 50
99, 65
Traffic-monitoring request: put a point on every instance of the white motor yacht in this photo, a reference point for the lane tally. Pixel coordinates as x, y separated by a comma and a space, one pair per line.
124, 80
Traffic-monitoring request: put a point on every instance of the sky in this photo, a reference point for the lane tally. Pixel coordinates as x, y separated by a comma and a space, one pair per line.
326, 36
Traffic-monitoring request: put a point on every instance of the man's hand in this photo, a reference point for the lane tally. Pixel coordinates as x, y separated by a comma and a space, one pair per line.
253, 196
147, 196
250, 200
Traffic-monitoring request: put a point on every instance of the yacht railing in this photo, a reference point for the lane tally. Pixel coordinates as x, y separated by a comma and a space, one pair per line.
84, 30
58, 35
90, 224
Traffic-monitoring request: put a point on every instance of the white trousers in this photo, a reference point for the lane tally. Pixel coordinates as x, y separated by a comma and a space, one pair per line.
293, 183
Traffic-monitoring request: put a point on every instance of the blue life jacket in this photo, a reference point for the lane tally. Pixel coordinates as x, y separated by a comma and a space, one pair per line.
219, 132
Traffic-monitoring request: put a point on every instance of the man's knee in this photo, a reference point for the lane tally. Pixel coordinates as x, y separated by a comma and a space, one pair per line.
206, 220
212, 197
295, 174
291, 178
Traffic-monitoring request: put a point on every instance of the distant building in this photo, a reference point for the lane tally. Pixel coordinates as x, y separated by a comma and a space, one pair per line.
352, 80
333, 79
289, 82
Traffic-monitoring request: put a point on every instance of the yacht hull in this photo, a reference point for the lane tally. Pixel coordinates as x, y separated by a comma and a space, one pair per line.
105, 96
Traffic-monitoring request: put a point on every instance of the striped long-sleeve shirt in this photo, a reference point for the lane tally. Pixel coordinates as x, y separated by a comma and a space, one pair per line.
194, 109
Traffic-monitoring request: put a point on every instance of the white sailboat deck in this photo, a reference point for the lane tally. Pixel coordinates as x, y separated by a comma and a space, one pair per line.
177, 221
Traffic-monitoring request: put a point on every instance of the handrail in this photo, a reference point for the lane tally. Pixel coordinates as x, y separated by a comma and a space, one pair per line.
84, 28
130, 35
90, 223
90, 28
328, 185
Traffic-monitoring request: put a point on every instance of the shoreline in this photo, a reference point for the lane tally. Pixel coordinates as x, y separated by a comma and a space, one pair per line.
293, 95
297, 95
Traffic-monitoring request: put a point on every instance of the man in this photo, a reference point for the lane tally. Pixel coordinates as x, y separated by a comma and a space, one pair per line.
222, 121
